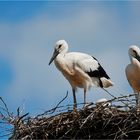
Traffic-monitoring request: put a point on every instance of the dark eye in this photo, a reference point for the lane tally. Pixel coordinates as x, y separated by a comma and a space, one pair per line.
59, 46
134, 51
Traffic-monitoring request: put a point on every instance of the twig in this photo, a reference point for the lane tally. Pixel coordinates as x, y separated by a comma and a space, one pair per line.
20, 118
60, 102
5, 107
115, 97
53, 109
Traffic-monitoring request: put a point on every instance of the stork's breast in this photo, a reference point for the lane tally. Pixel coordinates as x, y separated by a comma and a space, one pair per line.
133, 76
75, 79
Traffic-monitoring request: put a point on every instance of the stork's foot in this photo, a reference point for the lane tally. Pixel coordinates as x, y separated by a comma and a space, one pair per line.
75, 112
138, 110
75, 107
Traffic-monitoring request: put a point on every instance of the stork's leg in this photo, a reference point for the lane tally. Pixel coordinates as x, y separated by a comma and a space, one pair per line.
85, 93
139, 99
137, 95
74, 99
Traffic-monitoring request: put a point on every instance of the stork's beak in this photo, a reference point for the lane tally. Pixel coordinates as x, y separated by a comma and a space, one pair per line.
54, 56
138, 58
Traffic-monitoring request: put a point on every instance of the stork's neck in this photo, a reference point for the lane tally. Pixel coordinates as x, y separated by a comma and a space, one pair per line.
61, 64
60, 60
132, 59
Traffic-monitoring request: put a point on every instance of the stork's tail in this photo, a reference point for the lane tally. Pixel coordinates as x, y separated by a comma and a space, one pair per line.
106, 82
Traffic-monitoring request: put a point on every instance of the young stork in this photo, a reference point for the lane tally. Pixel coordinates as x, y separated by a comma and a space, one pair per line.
133, 72
80, 69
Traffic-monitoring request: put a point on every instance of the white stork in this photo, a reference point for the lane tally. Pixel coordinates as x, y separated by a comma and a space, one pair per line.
133, 72
80, 69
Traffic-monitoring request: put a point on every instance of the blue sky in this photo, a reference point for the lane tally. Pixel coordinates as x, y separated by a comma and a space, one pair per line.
29, 30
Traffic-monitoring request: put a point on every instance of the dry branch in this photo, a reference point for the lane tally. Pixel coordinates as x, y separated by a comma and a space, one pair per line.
91, 122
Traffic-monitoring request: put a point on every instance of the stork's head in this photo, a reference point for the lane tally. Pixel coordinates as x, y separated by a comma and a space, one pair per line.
134, 52
61, 46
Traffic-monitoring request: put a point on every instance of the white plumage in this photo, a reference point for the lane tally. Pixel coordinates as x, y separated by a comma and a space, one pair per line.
103, 102
133, 71
80, 69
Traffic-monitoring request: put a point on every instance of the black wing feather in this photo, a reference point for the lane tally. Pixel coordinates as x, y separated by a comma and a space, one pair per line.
100, 72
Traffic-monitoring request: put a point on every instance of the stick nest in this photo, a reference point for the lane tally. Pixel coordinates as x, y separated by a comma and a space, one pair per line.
91, 122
